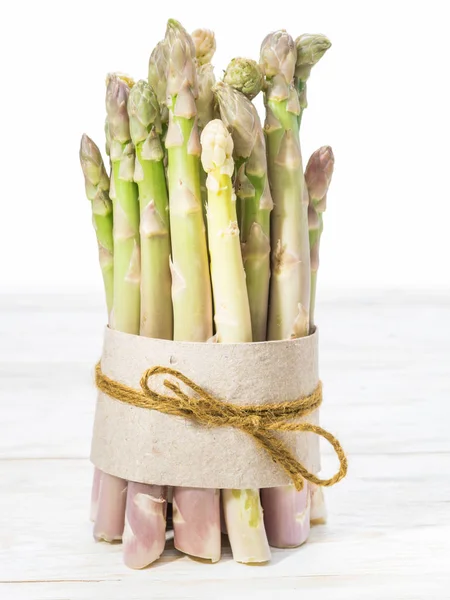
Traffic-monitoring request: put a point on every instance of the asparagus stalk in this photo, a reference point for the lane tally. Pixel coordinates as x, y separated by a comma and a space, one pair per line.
196, 516
126, 314
242, 508
286, 511
290, 282
145, 516
318, 174
252, 188
244, 75
310, 49
97, 191
205, 45
145, 128
124, 194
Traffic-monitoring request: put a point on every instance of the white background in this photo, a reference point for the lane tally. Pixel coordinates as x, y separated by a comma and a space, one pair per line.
380, 97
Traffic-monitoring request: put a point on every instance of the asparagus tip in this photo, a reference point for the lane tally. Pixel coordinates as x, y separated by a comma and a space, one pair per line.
244, 74
205, 45
217, 148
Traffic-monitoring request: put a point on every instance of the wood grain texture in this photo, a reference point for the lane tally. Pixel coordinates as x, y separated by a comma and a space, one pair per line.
384, 363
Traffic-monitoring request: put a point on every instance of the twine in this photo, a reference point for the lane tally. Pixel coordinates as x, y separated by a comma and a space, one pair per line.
258, 421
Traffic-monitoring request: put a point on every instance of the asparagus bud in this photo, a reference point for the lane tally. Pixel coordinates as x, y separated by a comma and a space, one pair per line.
240, 118
244, 74
318, 174
157, 76
310, 49
205, 45
278, 57
182, 74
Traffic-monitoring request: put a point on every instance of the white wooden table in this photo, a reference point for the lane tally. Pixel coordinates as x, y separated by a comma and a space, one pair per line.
385, 363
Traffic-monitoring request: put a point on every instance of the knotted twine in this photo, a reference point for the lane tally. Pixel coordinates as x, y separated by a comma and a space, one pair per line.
258, 421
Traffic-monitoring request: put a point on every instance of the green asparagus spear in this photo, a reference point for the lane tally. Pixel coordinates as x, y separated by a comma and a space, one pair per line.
286, 511
145, 128
318, 174
124, 195
191, 291
252, 189
97, 191
242, 508
196, 517
290, 282
244, 74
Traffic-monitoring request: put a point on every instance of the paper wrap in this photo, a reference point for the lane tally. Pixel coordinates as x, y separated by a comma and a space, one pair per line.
147, 446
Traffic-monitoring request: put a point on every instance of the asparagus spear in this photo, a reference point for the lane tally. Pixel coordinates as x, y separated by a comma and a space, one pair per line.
123, 192
242, 508
196, 517
145, 128
252, 188
204, 44
145, 517
286, 511
97, 191
157, 79
289, 305
310, 49
244, 74
318, 174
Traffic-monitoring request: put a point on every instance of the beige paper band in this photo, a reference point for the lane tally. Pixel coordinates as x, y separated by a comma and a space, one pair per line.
147, 446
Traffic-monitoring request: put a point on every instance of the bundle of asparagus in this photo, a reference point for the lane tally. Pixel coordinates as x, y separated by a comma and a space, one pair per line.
208, 231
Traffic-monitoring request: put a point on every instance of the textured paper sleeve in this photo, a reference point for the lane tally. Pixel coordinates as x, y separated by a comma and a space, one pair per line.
147, 446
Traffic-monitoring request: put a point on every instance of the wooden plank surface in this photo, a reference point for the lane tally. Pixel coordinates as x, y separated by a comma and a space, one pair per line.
385, 366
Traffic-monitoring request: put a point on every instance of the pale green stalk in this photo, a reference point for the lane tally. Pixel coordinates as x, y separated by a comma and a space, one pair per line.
310, 49
196, 517
286, 511
145, 517
290, 282
156, 298
318, 174
252, 189
242, 508
124, 195
206, 110
97, 191
191, 288
244, 75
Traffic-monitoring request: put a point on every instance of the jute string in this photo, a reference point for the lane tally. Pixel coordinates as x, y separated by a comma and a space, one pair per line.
259, 421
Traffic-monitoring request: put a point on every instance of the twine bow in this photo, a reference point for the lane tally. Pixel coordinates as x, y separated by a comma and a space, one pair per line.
260, 421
